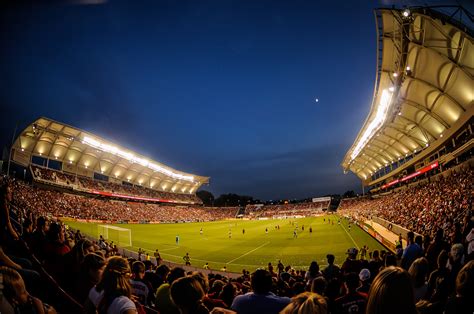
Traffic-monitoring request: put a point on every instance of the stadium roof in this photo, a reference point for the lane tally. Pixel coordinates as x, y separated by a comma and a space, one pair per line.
85, 153
424, 87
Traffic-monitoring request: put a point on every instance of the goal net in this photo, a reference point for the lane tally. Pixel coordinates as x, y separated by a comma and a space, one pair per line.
120, 236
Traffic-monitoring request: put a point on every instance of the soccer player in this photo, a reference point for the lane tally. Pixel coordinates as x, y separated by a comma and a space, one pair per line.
206, 266
230, 234
187, 259
200, 231
295, 234
177, 239
310, 229
266, 230
243, 231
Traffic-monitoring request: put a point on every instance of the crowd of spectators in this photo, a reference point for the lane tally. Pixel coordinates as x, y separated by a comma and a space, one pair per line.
100, 281
88, 184
60, 204
440, 203
280, 210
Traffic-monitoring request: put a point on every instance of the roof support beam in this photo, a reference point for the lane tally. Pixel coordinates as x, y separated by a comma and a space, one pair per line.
425, 132
412, 78
396, 128
396, 140
428, 111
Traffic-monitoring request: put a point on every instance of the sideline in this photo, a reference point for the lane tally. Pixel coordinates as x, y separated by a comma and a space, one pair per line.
348, 233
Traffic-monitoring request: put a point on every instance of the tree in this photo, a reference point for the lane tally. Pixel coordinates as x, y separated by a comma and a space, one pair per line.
349, 194
232, 199
206, 197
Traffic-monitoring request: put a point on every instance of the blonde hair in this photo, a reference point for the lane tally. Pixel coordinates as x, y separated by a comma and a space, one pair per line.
391, 292
115, 282
306, 303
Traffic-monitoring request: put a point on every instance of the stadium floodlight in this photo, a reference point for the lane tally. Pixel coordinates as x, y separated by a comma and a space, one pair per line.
376, 123
391, 89
395, 74
406, 13
134, 159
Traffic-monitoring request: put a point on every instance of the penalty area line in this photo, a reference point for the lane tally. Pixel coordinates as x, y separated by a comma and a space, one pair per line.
245, 254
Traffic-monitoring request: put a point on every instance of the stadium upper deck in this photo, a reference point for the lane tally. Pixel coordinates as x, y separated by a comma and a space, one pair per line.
422, 109
62, 147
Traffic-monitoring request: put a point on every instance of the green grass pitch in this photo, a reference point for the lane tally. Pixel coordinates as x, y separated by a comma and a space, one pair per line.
251, 250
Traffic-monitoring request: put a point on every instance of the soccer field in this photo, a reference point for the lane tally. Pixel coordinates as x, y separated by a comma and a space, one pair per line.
251, 250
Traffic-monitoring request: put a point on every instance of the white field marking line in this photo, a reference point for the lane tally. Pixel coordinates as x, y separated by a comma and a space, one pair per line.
349, 235
223, 263
245, 254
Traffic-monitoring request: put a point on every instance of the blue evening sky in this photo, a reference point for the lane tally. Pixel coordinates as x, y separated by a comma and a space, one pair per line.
219, 88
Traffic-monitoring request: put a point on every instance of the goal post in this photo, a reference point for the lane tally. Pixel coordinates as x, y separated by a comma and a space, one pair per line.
120, 236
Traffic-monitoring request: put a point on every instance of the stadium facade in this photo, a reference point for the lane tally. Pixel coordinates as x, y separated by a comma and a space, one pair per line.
421, 117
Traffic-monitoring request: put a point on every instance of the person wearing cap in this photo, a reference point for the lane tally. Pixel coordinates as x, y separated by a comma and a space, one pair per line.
352, 302
351, 264
364, 277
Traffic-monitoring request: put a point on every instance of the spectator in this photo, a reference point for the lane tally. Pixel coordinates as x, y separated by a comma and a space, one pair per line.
163, 301
319, 286
391, 292
88, 276
312, 274
419, 272
261, 300
112, 294
187, 294
375, 263
411, 252
351, 264
306, 303
141, 288
228, 293
17, 297
352, 302
462, 302
438, 284
364, 277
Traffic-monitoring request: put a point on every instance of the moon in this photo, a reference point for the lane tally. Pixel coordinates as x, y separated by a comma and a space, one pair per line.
316, 99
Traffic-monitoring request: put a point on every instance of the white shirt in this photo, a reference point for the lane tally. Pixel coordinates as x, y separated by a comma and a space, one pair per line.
118, 306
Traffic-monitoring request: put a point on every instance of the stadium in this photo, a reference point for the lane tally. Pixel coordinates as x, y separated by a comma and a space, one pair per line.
74, 203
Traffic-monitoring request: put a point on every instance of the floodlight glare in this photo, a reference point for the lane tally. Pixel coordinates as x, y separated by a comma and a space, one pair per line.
134, 159
406, 13
375, 124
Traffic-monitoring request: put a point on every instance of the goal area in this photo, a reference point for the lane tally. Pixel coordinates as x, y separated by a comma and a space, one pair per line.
120, 236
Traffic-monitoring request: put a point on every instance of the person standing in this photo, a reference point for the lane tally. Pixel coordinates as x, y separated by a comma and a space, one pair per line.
157, 257
177, 239
411, 252
187, 259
